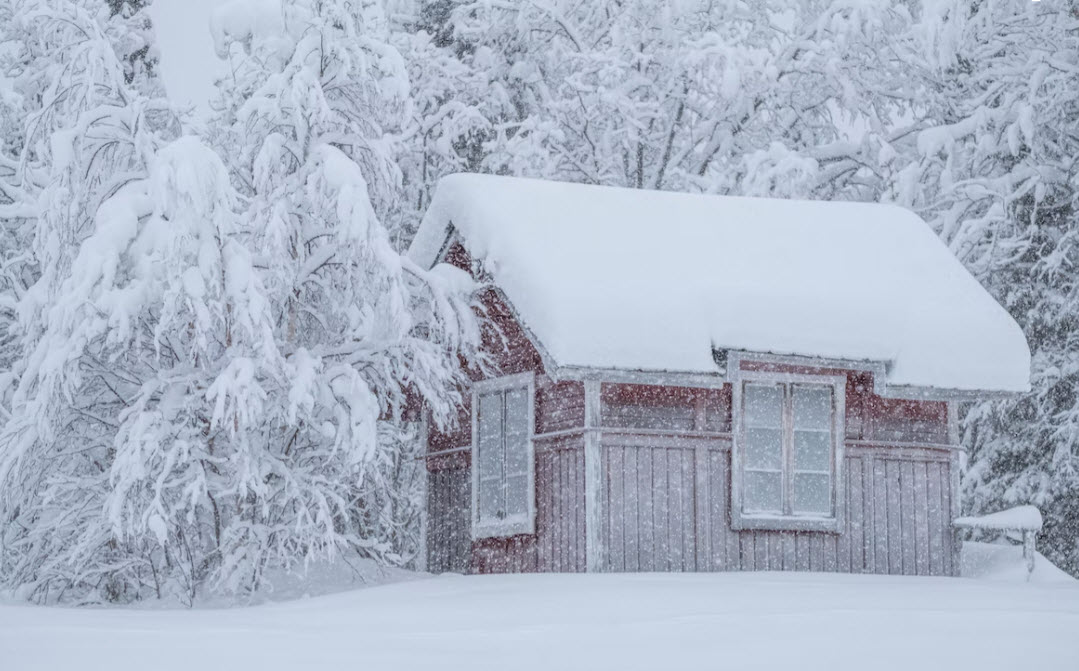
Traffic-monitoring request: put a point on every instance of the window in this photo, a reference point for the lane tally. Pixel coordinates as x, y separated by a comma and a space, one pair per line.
787, 451
503, 497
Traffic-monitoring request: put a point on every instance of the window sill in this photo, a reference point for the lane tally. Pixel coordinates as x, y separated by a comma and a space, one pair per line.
786, 523
504, 529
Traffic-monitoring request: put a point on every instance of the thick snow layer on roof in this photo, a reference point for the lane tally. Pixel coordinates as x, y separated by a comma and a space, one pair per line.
645, 280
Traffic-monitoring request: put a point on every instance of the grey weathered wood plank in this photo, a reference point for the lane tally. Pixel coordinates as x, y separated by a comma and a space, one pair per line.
788, 540
907, 518
894, 533
573, 510
747, 550
801, 552
831, 550
734, 545
544, 545
856, 516
675, 513
702, 505
646, 525
574, 479
605, 456
661, 509
844, 539
582, 529
617, 512
761, 550
950, 560
629, 480
561, 523
689, 517
717, 560
816, 552
934, 524
921, 519
880, 515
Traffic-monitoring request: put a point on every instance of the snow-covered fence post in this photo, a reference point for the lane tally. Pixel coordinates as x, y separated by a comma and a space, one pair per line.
1028, 549
1027, 520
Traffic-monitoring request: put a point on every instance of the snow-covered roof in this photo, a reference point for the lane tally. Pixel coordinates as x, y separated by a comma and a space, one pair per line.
628, 279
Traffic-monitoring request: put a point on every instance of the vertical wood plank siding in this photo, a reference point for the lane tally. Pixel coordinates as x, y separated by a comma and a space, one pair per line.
449, 542
560, 506
898, 519
657, 517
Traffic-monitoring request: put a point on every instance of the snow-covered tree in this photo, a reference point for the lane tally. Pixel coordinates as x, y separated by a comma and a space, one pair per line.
86, 138
189, 413
315, 89
131, 33
779, 98
997, 176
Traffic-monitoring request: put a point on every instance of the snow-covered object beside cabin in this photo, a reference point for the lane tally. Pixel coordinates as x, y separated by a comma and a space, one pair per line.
646, 280
1020, 518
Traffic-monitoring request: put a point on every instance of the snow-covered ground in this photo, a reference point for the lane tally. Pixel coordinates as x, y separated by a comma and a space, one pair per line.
562, 622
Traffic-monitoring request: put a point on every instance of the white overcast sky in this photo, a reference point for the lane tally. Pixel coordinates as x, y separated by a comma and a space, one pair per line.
188, 62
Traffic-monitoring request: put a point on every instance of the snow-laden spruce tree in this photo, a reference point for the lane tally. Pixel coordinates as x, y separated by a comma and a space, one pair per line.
314, 88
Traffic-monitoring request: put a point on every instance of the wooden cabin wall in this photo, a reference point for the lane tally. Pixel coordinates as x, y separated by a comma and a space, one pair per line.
666, 498
667, 509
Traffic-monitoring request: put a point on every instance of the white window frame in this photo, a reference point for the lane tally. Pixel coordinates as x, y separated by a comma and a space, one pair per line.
788, 521
521, 524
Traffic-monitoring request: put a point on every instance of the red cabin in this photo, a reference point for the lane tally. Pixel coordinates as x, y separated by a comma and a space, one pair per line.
706, 383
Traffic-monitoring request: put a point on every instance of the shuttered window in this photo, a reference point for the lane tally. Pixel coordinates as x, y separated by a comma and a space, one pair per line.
788, 440
502, 459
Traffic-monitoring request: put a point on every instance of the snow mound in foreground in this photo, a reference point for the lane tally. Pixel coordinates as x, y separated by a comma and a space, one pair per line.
827, 622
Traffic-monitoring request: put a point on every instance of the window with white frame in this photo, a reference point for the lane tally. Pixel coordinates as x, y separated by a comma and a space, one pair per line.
503, 497
787, 450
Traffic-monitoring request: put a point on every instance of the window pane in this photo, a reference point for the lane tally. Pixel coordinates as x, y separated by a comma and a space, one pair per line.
812, 451
763, 406
517, 495
490, 499
489, 428
812, 494
812, 408
764, 449
517, 431
762, 492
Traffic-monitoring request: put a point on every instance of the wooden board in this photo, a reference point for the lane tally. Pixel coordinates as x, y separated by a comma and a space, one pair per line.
449, 509
560, 508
